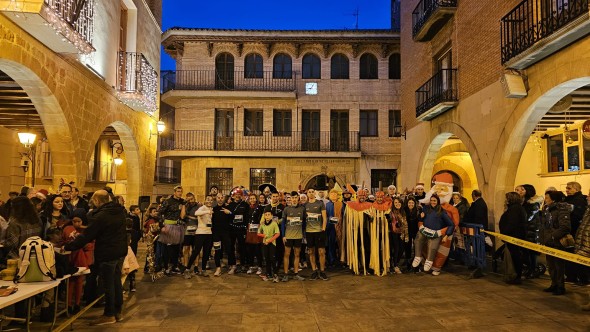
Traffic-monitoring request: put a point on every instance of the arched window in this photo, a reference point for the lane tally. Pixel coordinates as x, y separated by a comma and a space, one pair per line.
281, 66
312, 66
368, 67
339, 67
224, 71
394, 67
253, 66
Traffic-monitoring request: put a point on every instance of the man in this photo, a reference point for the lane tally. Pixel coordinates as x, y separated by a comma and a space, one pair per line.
335, 212
240, 211
172, 233
135, 232
346, 196
315, 234
478, 211
322, 197
357, 217
107, 229
419, 193
78, 202
66, 193
379, 234
575, 273
292, 226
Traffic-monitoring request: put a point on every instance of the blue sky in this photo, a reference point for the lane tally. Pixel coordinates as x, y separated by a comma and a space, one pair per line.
274, 14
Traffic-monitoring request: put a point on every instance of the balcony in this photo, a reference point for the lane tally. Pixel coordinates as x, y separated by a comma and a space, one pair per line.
189, 143
167, 174
437, 95
137, 82
430, 16
65, 26
536, 29
239, 84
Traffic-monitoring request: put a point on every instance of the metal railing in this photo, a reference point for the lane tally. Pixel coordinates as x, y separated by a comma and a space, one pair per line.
238, 80
424, 11
78, 15
167, 174
137, 77
209, 140
532, 20
442, 87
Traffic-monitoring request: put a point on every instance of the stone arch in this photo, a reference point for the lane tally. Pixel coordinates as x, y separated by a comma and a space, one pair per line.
308, 179
438, 135
133, 159
458, 170
286, 48
53, 118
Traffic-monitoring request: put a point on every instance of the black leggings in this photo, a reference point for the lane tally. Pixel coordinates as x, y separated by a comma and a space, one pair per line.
253, 251
226, 246
170, 253
239, 235
396, 248
205, 242
269, 251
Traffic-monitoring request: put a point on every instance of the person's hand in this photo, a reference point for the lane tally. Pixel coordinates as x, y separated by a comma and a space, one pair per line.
421, 228
226, 211
285, 240
421, 214
446, 238
265, 243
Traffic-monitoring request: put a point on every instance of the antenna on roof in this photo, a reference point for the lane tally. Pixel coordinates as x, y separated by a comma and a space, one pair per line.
356, 15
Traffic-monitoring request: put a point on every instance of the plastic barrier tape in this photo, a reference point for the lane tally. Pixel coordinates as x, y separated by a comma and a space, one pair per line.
542, 249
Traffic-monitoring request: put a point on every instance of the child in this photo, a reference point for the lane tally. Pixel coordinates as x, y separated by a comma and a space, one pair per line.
130, 265
269, 230
78, 258
151, 231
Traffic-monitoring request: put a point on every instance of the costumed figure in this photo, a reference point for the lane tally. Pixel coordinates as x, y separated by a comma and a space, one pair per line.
335, 212
379, 230
151, 237
357, 217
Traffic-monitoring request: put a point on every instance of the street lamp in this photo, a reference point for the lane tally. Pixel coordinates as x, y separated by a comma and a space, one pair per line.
27, 139
160, 127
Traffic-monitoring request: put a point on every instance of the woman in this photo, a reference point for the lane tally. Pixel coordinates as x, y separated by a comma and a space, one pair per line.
532, 205
555, 224
187, 214
221, 221
461, 204
582, 246
513, 223
253, 245
262, 200
412, 211
433, 221
52, 215
23, 222
398, 236
203, 239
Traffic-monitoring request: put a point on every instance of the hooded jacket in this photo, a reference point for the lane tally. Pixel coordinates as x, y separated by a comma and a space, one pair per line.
533, 214
583, 236
555, 224
107, 227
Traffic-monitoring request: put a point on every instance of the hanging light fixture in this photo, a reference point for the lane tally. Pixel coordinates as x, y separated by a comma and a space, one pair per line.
160, 127
27, 139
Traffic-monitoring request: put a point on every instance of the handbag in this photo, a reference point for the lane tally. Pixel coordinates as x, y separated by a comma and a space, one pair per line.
252, 235
567, 241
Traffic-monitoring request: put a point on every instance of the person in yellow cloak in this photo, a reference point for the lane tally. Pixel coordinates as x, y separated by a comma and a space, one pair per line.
357, 217
379, 234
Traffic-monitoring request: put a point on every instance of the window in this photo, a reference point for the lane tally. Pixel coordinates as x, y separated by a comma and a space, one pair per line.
312, 66
385, 177
253, 120
368, 124
395, 123
281, 66
224, 71
368, 67
394, 66
260, 176
339, 67
253, 66
281, 123
222, 178
555, 153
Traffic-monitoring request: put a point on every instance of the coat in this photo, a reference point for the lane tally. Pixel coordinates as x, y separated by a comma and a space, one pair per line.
533, 213
477, 213
583, 236
513, 221
579, 203
555, 224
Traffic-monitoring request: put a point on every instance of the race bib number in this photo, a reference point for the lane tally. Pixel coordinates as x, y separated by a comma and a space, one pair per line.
294, 221
253, 228
191, 229
217, 245
313, 217
333, 220
209, 225
238, 218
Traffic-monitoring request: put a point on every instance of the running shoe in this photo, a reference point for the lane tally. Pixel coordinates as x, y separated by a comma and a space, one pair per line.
435, 273
397, 270
264, 278
417, 261
298, 277
232, 270
251, 270
285, 278
217, 272
259, 272
176, 271
314, 275
203, 274
427, 265
275, 278
323, 276
187, 274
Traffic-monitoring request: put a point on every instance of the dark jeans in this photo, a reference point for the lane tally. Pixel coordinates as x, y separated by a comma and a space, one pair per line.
556, 271
269, 252
516, 255
239, 235
226, 246
110, 279
170, 255
396, 248
254, 251
205, 242
279, 252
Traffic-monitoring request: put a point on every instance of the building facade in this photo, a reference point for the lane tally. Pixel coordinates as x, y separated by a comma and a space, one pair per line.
496, 94
83, 77
297, 109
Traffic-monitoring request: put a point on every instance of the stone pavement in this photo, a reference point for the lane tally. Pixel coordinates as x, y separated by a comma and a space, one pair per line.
422, 302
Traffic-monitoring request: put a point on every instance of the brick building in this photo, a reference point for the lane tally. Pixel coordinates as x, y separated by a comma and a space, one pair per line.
83, 77
495, 93
293, 108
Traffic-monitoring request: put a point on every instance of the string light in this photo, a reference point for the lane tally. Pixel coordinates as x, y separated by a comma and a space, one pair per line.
138, 82
58, 15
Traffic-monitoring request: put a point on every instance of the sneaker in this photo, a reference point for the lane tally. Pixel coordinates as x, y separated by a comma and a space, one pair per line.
285, 278
118, 317
314, 275
435, 273
259, 271
187, 274
250, 270
298, 277
176, 270
133, 289
167, 272
232, 270
103, 320
397, 270
203, 274
264, 277
417, 261
275, 278
217, 272
427, 265
323, 276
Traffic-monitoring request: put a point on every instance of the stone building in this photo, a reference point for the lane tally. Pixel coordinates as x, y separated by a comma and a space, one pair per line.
83, 77
296, 108
496, 92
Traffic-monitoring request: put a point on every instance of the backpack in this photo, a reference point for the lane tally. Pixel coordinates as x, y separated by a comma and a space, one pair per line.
36, 261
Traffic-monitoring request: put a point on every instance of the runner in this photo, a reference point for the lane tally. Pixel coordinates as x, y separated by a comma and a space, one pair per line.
292, 227
240, 212
269, 230
316, 234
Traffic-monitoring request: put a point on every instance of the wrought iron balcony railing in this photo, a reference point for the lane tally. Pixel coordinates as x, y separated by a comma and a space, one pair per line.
209, 140
238, 80
431, 15
167, 174
137, 82
533, 20
440, 90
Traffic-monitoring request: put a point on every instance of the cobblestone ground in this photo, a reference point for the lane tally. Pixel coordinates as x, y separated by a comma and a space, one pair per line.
450, 301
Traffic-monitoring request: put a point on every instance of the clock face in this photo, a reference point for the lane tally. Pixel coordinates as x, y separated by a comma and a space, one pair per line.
311, 88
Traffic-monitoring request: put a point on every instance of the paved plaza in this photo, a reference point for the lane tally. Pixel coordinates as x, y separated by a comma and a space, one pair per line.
422, 302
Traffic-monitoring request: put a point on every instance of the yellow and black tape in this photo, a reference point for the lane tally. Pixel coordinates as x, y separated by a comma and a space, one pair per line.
542, 249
